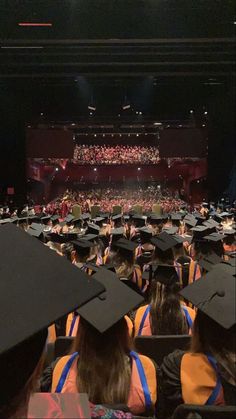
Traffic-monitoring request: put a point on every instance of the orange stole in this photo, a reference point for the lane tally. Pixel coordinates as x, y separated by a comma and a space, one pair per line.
198, 378
136, 399
146, 330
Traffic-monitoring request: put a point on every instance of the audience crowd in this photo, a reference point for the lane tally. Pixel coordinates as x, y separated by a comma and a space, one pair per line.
119, 154
106, 198
166, 273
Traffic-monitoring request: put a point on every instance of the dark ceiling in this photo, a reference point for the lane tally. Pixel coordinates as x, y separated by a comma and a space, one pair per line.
166, 57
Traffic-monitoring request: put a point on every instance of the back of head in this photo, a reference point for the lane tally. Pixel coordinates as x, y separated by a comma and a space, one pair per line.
103, 367
166, 315
18, 369
209, 336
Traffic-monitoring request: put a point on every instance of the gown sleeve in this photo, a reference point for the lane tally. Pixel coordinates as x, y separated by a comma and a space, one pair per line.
171, 393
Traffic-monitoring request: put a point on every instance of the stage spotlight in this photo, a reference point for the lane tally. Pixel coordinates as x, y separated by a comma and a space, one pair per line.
92, 108
57, 169
140, 113
137, 135
205, 113
95, 169
139, 168
191, 111
41, 113
125, 107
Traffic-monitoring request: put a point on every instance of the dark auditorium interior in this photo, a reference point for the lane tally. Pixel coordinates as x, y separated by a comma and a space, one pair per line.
117, 209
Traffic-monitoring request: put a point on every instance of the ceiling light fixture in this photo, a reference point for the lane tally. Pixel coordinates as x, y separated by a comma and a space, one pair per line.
35, 24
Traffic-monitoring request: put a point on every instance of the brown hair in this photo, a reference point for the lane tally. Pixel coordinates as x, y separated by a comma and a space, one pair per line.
18, 406
209, 336
166, 316
104, 371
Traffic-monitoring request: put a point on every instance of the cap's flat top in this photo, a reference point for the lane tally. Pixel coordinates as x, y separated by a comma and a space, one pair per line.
164, 241
106, 310
37, 286
214, 295
126, 245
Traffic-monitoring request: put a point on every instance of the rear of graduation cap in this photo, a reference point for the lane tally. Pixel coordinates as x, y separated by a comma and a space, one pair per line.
82, 244
139, 220
210, 223
55, 218
155, 219
145, 232
127, 245
86, 216
117, 231
90, 237
166, 274
93, 228
176, 216
112, 305
164, 241
116, 217
190, 220
214, 295
171, 230
210, 261
69, 218
37, 287
214, 237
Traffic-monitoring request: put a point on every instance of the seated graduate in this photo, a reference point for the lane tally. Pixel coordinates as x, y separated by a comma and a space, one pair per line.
123, 260
82, 253
206, 374
34, 293
102, 363
163, 253
166, 314
190, 269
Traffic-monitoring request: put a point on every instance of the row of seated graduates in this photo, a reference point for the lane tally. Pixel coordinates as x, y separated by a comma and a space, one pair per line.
163, 276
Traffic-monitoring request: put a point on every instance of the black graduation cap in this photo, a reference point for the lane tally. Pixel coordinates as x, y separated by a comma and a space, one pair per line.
164, 241
99, 220
85, 216
112, 305
166, 274
179, 239
6, 221
229, 232
171, 230
155, 219
139, 220
36, 290
190, 220
214, 295
210, 261
118, 231
69, 218
55, 218
214, 237
210, 223
176, 216
116, 217
35, 233
45, 219
93, 229
127, 245
90, 237
82, 244
109, 267
145, 232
